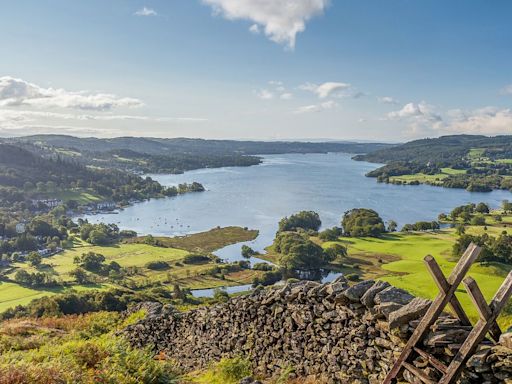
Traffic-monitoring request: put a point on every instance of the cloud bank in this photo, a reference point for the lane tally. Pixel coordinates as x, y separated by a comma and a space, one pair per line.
18, 92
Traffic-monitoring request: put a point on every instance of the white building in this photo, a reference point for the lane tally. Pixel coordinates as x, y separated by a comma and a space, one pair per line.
20, 228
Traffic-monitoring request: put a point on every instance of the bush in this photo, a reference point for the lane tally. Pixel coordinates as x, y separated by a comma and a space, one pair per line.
227, 371
247, 251
268, 278
330, 234
262, 267
352, 277
478, 220
157, 265
196, 259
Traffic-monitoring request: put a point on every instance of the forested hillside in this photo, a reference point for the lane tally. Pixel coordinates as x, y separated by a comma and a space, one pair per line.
476, 163
447, 149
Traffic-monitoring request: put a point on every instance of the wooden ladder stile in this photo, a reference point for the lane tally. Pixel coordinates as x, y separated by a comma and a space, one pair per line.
436, 308
486, 324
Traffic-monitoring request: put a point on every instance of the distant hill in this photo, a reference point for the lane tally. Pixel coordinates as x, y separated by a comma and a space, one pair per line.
158, 146
476, 163
447, 149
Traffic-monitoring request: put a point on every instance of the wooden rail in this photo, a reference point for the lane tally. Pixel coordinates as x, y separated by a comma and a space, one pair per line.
446, 296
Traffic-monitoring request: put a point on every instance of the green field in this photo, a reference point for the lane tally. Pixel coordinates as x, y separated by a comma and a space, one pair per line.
409, 272
12, 294
82, 196
427, 179
136, 254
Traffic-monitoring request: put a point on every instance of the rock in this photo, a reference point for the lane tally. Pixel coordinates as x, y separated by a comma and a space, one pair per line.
355, 292
416, 308
393, 295
369, 295
506, 339
386, 309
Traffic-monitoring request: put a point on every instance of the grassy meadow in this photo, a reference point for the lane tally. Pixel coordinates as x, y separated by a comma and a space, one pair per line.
427, 179
136, 254
398, 259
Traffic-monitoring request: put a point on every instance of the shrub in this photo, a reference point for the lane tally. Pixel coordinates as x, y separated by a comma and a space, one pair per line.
157, 265
196, 259
227, 371
262, 267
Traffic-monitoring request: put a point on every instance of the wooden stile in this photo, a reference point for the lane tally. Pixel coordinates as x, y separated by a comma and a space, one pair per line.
446, 296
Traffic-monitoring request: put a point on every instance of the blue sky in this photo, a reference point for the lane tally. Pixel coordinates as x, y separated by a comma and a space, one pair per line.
260, 69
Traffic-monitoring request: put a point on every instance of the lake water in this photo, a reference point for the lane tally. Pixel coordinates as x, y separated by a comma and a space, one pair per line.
258, 197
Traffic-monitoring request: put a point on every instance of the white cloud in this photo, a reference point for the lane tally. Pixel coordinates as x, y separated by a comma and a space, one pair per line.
144, 11
488, 120
16, 92
324, 90
411, 110
281, 20
22, 119
507, 90
264, 94
387, 100
421, 118
286, 96
316, 107
255, 29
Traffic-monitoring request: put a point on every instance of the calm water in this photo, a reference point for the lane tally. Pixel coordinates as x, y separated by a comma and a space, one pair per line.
258, 197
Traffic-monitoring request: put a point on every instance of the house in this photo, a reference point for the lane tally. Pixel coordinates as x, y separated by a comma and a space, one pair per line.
106, 205
21, 227
50, 203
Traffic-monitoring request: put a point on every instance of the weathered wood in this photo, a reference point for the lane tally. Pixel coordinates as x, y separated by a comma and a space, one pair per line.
483, 309
418, 373
435, 309
479, 331
441, 367
444, 286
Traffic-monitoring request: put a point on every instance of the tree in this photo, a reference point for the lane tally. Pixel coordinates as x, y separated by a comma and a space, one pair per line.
506, 206
482, 208
298, 252
360, 222
460, 229
478, 220
392, 226
90, 261
23, 277
307, 220
330, 234
34, 258
80, 276
247, 251
335, 251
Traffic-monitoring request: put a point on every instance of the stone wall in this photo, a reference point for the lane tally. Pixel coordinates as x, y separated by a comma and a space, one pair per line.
331, 332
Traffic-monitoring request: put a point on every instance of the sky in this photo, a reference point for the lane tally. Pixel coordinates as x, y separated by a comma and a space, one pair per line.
379, 70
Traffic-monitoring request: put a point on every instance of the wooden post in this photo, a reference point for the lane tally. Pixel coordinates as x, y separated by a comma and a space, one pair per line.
435, 309
443, 286
481, 328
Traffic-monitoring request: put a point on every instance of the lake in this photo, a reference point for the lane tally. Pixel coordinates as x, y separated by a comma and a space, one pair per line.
258, 197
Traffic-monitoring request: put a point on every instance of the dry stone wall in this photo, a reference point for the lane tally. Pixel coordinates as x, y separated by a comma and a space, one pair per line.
332, 332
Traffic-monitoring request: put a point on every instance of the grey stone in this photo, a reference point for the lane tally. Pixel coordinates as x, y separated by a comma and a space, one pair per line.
369, 295
355, 292
393, 295
411, 311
